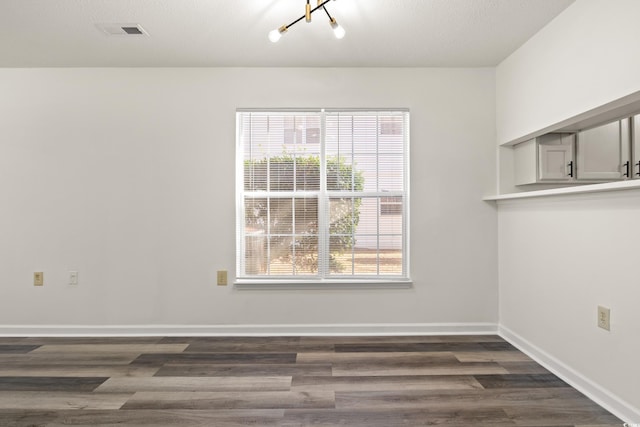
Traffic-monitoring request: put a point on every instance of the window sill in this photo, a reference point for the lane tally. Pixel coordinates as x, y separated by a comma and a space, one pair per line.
282, 285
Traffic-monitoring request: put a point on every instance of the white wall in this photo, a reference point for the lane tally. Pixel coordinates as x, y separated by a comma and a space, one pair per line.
561, 257
585, 58
127, 176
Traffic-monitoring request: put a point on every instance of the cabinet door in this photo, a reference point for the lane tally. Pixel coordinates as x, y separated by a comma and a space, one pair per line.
599, 153
635, 148
555, 161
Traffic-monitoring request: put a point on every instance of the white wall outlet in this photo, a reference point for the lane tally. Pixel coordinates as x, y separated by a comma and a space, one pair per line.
73, 278
604, 318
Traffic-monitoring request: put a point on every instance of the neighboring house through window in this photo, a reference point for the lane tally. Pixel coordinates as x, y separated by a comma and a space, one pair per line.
322, 196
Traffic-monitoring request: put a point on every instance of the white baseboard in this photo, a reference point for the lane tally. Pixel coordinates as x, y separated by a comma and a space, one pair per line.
592, 390
250, 330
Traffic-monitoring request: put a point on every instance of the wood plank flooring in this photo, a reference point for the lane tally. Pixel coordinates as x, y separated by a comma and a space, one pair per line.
283, 381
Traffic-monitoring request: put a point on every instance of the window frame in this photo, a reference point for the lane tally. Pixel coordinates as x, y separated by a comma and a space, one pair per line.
323, 280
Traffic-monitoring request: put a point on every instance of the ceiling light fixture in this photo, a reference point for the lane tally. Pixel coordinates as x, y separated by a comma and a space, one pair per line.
338, 31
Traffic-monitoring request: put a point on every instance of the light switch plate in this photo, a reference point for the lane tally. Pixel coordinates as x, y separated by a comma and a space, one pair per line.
222, 277
604, 318
73, 278
38, 278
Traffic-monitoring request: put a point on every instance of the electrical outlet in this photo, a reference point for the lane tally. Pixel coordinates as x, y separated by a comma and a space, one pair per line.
73, 278
604, 318
222, 277
38, 278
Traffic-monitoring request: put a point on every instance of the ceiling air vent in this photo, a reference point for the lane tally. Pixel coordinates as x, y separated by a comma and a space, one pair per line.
122, 29
132, 30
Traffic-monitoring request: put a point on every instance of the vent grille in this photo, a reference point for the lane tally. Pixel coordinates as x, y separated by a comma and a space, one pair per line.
122, 29
132, 30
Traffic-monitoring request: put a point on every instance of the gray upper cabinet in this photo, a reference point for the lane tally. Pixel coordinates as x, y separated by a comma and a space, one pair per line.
602, 153
635, 148
609, 152
548, 158
555, 157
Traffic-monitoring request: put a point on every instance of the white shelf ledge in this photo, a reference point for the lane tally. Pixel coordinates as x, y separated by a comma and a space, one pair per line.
592, 188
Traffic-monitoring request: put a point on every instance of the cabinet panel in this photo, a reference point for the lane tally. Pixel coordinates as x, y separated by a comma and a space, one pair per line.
555, 161
635, 148
599, 152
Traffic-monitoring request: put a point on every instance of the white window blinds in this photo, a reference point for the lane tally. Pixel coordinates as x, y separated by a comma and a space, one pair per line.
322, 195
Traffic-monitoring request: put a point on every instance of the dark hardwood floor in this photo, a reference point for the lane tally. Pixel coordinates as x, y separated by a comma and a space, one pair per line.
283, 381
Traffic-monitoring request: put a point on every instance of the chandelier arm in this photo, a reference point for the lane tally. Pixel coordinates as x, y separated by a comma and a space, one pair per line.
296, 21
327, 12
321, 5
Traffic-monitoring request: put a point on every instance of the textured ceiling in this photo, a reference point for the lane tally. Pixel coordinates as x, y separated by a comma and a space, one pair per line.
194, 33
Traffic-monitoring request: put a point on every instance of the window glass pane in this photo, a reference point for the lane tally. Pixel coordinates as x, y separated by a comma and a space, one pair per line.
255, 211
365, 133
341, 215
280, 216
367, 165
367, 216
388, 145
277, 173
391, 126
281, 173
255, 214
306, 254
277, 145
365, 260
363, 242
391, 172
284, 241
390, 221
255, 252
280, 255
391, 206
391, 254
343, 223
382, 262
306, 214
340, 260
339, 134
299, 131
307, 171
255, 175
342, 175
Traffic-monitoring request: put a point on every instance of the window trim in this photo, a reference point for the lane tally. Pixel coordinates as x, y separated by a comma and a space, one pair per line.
321, 284
296, 282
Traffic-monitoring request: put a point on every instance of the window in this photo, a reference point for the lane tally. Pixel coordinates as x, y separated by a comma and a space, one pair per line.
391, 205
322, 196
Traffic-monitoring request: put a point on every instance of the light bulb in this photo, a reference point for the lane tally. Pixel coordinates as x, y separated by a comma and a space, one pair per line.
338, 31
274, 35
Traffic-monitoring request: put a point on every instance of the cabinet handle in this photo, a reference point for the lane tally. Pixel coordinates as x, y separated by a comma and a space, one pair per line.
626, 169
570, 168
638, 165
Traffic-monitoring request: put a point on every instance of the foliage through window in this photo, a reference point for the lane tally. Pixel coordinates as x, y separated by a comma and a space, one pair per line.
322, 195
